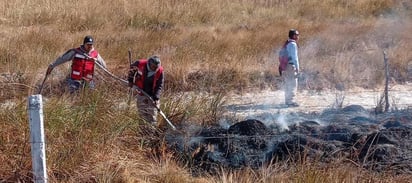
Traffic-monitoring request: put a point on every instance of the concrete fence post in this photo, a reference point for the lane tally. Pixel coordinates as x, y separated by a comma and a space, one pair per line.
38, 146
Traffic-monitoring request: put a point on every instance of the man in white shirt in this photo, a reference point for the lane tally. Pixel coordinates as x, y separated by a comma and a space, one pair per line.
292, 69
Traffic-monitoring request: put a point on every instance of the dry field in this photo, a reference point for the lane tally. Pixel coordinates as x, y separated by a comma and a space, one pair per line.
211, 50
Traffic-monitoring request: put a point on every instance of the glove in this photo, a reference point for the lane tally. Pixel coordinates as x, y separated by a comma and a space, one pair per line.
133, 70
157, 103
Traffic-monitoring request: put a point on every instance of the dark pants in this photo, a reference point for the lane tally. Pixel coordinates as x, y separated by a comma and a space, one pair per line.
76, 85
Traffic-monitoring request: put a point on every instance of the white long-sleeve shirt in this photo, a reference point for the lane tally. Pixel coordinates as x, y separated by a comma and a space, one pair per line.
292, 49
69, 55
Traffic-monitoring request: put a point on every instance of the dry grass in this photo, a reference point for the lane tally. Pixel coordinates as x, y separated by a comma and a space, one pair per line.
214, 46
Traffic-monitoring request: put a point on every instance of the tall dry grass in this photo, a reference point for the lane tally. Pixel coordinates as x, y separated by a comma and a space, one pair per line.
212, 46
210, 39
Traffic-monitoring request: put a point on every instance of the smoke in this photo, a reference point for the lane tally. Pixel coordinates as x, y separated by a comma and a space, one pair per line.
224, 124
282, 122
350, 125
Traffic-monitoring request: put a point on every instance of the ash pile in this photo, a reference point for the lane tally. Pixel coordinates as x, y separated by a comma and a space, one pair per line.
377, 142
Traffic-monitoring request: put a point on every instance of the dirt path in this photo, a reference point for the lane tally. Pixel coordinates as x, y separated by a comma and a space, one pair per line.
254, 105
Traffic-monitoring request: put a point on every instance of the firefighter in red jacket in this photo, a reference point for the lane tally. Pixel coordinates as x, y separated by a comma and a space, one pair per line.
147, 75
83, 63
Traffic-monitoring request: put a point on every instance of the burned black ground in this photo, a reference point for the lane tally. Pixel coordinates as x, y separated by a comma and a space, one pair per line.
377, 142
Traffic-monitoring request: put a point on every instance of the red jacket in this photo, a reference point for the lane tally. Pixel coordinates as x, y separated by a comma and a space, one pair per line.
83, 67
152, 85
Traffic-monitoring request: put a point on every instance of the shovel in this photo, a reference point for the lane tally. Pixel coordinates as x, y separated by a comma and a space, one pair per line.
130, 90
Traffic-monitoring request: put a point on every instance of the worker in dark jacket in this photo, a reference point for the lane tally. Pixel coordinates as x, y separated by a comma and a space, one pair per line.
147, 75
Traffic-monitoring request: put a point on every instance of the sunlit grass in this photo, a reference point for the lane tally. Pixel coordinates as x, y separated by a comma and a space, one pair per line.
208, 49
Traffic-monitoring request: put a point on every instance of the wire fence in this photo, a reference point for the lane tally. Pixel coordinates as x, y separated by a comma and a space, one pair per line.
284, 135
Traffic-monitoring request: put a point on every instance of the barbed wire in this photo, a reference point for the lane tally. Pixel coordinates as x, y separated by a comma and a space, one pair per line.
281, 135
235, 137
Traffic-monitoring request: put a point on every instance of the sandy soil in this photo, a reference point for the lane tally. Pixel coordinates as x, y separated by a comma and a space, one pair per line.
256, 105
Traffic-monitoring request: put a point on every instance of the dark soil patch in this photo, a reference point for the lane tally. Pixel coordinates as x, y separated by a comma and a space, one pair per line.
378, 143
